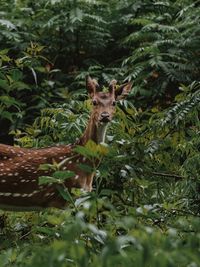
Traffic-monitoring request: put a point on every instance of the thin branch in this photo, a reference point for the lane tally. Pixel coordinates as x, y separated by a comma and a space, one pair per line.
185, 212
177, 177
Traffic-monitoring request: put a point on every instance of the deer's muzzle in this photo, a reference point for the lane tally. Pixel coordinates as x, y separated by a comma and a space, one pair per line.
105, 117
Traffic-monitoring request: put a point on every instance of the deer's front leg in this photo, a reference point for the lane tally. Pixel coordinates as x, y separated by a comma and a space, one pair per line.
88, 183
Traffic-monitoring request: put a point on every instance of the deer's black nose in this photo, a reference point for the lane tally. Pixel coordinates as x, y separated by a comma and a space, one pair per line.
105, 116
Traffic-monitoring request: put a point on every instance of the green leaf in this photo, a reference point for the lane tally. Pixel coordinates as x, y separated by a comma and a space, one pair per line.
64, 193
5, 58
4, 84
76, 15
47, 180
8, 24
7, 115
4, 51
16, 74
20, 86
92, 150
63, 175
9, 101
46, 167
85, 167
45, 230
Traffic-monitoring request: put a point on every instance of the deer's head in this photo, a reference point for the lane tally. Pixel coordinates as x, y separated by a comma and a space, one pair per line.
104, 102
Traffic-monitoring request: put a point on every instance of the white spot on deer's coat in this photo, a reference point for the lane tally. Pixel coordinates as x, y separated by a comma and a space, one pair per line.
77, 176
3, 181
24, 195
16, 195
49, 194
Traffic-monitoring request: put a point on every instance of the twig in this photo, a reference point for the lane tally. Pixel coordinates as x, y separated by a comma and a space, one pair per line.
177, 177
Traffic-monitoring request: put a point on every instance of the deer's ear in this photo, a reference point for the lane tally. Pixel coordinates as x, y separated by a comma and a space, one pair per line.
123, 90
91, 85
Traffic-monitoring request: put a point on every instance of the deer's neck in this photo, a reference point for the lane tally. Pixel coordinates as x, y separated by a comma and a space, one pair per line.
94, 132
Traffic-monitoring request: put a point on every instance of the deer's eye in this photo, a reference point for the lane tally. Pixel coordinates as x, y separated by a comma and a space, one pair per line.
114, 103
94, 102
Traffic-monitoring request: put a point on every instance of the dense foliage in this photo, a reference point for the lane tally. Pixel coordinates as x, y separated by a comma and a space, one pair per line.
145, 206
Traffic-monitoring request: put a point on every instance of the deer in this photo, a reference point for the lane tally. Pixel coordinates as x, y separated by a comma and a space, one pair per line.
20, 167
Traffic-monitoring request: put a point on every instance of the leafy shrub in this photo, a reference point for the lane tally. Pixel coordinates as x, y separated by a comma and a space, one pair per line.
26, 86
164, 44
